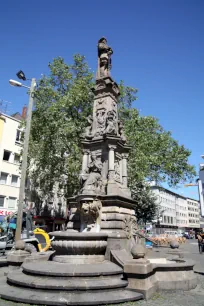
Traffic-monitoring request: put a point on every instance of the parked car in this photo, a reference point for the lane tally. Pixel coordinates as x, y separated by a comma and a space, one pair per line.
173, 233
188, 235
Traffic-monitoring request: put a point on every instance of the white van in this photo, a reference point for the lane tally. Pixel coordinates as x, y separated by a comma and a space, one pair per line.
172, 233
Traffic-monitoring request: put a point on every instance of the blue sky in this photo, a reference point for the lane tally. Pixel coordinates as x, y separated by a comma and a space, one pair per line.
158, 48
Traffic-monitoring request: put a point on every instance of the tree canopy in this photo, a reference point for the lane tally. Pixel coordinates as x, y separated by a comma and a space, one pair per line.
63, 100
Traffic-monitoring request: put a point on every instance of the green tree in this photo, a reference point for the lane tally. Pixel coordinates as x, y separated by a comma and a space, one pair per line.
63, 100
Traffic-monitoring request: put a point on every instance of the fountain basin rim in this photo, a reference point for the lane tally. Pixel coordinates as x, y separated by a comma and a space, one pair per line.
79, 235
174, 263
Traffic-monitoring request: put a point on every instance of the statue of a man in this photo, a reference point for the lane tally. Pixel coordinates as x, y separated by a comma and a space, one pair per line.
94, 181
104, 58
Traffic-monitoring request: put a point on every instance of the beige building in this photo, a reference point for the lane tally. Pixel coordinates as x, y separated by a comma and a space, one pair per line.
10, 148
193, 213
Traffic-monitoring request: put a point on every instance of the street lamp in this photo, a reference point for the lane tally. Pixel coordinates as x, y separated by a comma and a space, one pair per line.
17, 84
21, 75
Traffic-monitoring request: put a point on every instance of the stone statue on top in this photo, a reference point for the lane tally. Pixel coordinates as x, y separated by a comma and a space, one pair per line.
104, 58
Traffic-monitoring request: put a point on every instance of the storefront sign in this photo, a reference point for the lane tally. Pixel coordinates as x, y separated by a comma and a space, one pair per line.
6, 212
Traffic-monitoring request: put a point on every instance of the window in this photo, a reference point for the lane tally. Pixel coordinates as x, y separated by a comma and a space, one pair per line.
1, 201
14, 180
3, 178
11, 202
16, 158
18, 135
168, 220
6, 155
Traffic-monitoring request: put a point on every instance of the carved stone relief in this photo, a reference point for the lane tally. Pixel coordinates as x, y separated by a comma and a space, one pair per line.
117, 171
101, 103
121, 131
90, 215
111, 123
130, 226
88, 130
101, 121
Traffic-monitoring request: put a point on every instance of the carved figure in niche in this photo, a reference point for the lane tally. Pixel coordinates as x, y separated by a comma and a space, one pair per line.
117, 171
90, 215
111, 123
130, 226
92, 178
121, 131
88, 130
101, 121
104, 58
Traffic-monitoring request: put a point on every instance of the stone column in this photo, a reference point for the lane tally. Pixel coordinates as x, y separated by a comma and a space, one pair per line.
124, 169
111, 162
85, 160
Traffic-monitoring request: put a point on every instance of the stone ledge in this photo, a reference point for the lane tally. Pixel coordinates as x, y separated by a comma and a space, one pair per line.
70, 235
60, 269
3, 262
53, 283
148, 278
45, 297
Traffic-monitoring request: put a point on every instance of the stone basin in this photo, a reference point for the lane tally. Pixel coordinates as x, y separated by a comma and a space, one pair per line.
161, 261
79, 243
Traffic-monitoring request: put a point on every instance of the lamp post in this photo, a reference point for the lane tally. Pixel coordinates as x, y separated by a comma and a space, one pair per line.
21, 75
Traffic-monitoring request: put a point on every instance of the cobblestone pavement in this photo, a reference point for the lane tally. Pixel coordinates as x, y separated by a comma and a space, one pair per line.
194, 297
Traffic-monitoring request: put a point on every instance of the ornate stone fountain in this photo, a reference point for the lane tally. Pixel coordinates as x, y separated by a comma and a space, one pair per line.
104, 203
102, 217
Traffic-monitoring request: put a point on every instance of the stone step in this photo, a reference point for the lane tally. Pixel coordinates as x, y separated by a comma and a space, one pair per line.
72, 283
62, 298
52, 268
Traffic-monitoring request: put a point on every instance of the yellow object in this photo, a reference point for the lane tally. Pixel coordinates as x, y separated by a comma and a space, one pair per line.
38, 231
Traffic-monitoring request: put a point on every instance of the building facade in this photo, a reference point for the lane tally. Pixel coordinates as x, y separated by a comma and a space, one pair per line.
51, 213
181, 212
167, 209
10, 149
176, 212
193, 214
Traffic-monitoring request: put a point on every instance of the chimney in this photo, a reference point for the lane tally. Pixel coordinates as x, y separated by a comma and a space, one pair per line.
24, 112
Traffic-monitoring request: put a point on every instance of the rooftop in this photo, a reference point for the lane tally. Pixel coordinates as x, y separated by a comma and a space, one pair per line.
173, 193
